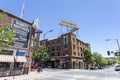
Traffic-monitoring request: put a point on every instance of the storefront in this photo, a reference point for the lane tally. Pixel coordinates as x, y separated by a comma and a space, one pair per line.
17, 59
10, 64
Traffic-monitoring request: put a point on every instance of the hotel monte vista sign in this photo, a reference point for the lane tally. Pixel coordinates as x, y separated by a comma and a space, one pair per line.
22, 33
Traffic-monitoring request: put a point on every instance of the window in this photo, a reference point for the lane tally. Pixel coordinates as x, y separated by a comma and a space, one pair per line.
65, 53
65, 39
6, 52
73, 46
58, 54
81, 55
4, 66
73, 40
81, 49
52, 43
53, 54
53, 49
58, 41
5, 30
74, 53
48, 49
48, 44
18, 65
58, 48
66, 46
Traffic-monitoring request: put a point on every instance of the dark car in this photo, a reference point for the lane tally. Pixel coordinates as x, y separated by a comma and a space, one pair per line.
93, 68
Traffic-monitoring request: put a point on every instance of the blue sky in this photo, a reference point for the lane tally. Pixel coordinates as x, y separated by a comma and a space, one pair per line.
98, 20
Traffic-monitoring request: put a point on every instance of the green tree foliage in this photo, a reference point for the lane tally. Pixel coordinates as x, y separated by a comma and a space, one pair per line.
40, 53
97, 58
87, 57
118, 59
104, 61
109, 61
6, 35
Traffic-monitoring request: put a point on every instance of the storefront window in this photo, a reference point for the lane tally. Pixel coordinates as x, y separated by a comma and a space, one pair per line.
4, 66
18, 66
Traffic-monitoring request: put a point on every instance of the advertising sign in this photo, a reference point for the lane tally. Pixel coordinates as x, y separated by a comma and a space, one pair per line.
22, 31
20, 53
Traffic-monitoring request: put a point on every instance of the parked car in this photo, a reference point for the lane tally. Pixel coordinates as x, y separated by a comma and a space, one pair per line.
93, 68
117, 68
34, 66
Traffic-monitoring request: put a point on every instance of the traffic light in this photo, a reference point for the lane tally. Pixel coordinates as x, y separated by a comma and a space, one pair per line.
116, 54
108, 53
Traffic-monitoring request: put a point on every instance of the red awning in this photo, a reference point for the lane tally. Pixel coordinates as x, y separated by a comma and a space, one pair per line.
6, 58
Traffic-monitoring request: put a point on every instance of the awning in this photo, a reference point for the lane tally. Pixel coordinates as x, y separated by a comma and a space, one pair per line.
20, 59
6, 58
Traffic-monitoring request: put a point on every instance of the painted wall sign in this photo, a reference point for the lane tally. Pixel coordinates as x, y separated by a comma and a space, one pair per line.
22, 31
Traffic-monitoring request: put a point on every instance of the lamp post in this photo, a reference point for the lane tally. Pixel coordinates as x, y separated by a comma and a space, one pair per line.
44, 44
46, 33
116, 41
66, 60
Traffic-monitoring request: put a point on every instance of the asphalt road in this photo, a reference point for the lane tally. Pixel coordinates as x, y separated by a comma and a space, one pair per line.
61, 74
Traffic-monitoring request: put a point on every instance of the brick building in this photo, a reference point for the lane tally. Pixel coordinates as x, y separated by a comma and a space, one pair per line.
65, 51
17, 60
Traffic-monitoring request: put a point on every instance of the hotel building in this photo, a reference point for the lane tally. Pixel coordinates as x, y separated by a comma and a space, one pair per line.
65, 51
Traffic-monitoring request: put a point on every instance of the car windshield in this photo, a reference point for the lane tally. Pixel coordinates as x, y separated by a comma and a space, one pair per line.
118, 66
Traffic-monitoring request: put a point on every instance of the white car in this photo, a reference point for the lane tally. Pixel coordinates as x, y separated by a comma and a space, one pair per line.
117, 68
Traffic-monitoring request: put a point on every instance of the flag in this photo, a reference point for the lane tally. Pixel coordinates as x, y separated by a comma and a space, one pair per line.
23, 9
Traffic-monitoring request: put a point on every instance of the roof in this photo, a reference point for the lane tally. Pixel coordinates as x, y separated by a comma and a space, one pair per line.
12, 15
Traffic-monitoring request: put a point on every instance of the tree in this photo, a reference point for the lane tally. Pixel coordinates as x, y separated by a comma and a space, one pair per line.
104, 62
97, 58
87, 57
6, 34
118, 59
40, 53
109, 61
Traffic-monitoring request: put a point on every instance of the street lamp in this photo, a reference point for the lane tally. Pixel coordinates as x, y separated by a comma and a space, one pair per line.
67, 60
46, 33
116, 41
44, 44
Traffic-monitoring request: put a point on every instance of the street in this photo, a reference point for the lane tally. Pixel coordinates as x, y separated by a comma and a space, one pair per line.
105, 74
69, 74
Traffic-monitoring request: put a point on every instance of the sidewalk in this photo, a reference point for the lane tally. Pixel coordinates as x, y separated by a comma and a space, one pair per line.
31, 76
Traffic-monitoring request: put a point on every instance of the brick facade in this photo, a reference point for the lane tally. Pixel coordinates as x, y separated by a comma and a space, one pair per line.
65, 51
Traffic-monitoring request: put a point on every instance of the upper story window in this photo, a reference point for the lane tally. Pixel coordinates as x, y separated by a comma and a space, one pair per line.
48, 44
6, 30
58, 42
66, 46
53, 54
73, 39
53, 49
58, 48
52, 43
65, 39
58, 54
48, 48
74, 53
65, 53
73, 46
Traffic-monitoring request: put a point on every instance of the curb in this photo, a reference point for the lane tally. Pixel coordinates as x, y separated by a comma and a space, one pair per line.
30, 76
